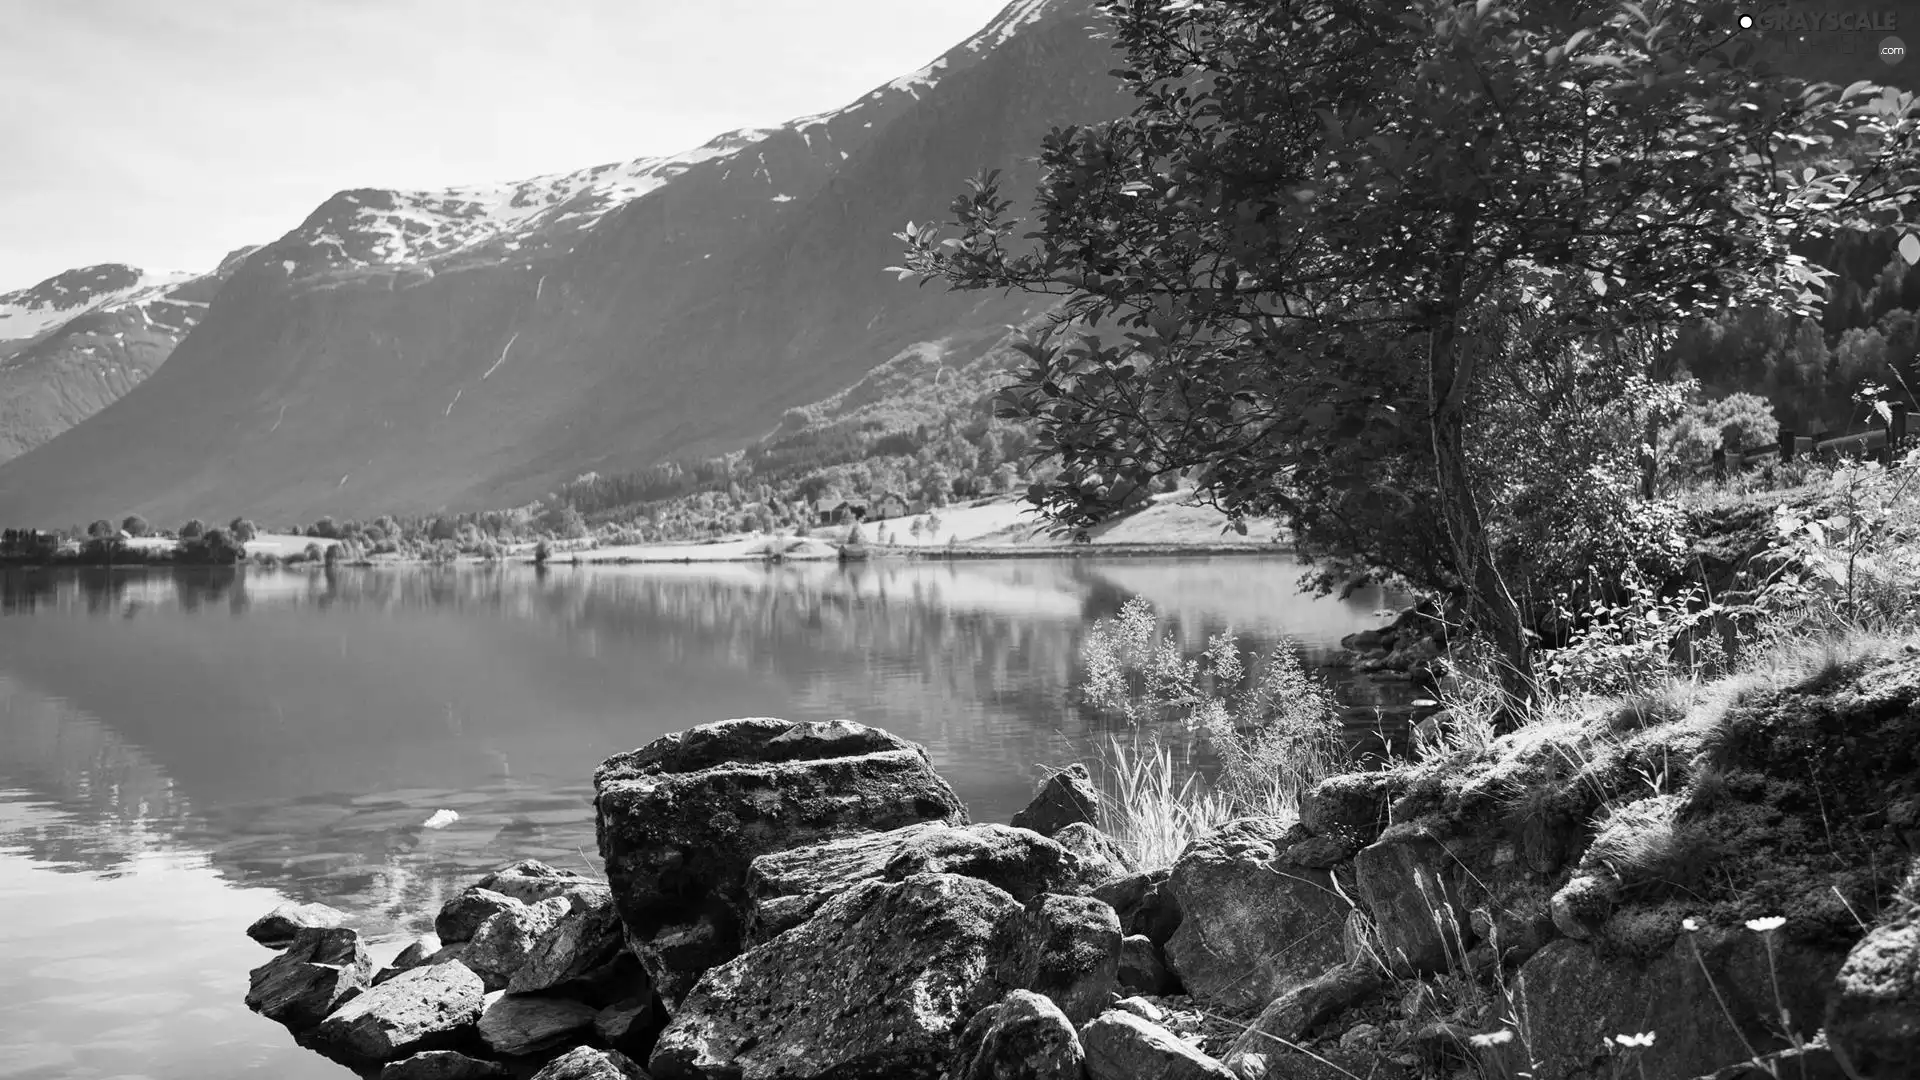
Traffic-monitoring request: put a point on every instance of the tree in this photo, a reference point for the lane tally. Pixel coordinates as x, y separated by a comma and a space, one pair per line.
1328, 226
192, 529
100, 530
242, 530
214, 546
134, 525
325, 529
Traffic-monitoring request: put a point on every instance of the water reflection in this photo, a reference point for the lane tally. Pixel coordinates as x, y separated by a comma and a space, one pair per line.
292, 731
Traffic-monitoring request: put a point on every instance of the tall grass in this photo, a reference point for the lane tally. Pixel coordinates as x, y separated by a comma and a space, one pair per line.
1270, 726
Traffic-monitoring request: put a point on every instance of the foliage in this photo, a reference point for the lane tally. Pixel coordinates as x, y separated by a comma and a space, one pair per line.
215, 546
242, 530
193, 529
1335, 224
1740, 421
134, 525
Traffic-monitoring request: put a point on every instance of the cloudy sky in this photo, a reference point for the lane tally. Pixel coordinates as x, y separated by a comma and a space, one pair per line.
164, 133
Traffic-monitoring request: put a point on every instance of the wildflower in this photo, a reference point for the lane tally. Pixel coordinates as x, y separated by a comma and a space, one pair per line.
1761, 926
1645, 1038
1492, 1038
1689, 925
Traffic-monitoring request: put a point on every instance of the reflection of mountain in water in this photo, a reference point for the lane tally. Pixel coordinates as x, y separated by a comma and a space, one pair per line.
300, 728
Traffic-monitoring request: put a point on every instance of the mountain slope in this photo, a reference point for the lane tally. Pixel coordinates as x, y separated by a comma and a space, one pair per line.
77, 342
476, 347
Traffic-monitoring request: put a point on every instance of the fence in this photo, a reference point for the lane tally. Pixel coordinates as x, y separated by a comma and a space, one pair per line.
1880, 441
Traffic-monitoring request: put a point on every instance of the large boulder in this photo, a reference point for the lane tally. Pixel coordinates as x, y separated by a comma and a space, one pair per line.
443, 1065
586, 936
1873, 1021
785, 888
1143, 967
420, 951
531, 881
276, 928
1144, 902
1065, 797
1351, 807
464, 914
1412, 887
1102, 859
321, 969
587, 1063
425, 1008
1024, 1036
516, 1025
504, 942
630, 1025
1123, 1046
881, 980
1288, 1020
680, 819
1251, 928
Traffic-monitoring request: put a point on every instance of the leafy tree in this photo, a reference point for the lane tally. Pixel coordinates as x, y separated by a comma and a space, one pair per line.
1328, 227
442, 529
325, 529
242, 530
100, 530
193, 529
215, 546
1740, 421
134, 525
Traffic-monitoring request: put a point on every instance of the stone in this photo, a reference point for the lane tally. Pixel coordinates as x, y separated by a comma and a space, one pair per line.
1581, 907
1102, 859
426, 1008
1143, 969
1575, 996
1250, 929
1122, 1046
504, 941
1291, 1017
419, 951
1873, 1021
321, 969
1144, 903
1409, 883
1351, 807
680, 819
1065, 797
443, 1065
276, 928
631, 1025
587, 1063
1325, 1064
1360, 1037
785, 888
1142, 1008
515, 1025
1023, 1037
463, 914
1316, 852
587, 935
531, 881
883, 978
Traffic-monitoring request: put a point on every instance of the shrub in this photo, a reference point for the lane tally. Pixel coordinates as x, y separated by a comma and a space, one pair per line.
314, 553
542, 551
1685, 447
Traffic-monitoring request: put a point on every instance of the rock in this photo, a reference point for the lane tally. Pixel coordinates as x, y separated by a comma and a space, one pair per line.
1581, 907
516, 1025
586, 1063
1351, 808
630, 1026
1066, 797
427, 1008
504, 941
531, 881
463, 914
587, 935
1122, 1046
1144, 903
443, 1065
1291, 1017
680, 819
321, 969
1576, 996
1316, 852
1102, 859
1142, 1008
1409, 884
785, 888
418, 952
1250, 930
1143, 969
276, 928
1873, 1021
1023, 1037
1324, 1064
882, 979
1359, 1037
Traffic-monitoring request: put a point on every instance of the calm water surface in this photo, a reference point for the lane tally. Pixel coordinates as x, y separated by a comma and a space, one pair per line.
179, 752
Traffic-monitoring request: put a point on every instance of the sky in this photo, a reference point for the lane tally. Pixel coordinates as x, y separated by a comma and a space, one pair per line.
166, 133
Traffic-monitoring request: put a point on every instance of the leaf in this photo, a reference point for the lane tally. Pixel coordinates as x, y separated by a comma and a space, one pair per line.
1910, 248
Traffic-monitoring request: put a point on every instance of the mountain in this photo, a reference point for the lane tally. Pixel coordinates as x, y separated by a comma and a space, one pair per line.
75, 343
479, 346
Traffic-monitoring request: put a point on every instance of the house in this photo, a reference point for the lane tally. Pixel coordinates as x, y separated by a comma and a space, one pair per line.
891, 505
858, 511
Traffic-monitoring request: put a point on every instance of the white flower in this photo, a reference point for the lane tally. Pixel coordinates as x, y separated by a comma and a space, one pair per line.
1689, 925
1761, 926
1492, 1038
1645, 1038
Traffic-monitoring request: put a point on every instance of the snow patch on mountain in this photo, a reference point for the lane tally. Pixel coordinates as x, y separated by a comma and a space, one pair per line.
28, 313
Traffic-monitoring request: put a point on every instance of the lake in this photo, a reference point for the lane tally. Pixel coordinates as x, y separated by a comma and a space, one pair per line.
181, 751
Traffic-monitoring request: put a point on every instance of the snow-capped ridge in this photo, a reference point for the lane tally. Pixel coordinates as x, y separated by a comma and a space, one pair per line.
28, 313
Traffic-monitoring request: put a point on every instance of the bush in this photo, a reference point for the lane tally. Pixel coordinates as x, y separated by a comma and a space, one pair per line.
542, 551
1685, 447
314, 553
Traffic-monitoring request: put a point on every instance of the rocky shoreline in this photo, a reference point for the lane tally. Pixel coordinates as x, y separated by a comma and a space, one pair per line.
812, 900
